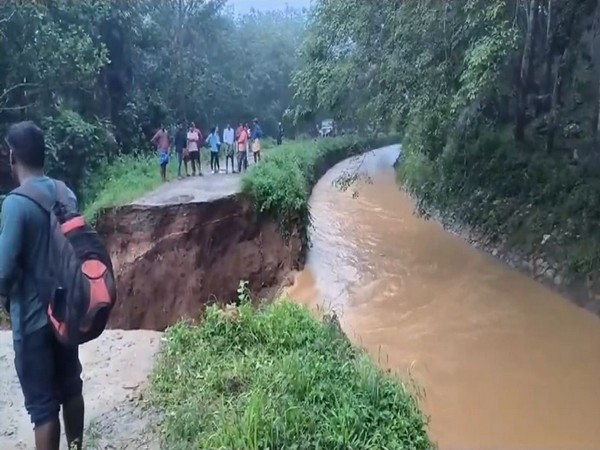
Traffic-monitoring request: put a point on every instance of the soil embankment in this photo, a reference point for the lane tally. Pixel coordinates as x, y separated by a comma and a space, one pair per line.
173, 260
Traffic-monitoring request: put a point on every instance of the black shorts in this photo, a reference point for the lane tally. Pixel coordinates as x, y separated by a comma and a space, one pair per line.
49, 373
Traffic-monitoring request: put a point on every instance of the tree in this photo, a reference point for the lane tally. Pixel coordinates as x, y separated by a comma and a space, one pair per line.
499, 102
101, 75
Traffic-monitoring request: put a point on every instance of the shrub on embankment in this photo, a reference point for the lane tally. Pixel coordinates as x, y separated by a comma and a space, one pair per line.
282, 184
537, 204
125, 180
277, 378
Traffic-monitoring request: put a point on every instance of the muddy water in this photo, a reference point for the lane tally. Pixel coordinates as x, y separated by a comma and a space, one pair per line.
504, 362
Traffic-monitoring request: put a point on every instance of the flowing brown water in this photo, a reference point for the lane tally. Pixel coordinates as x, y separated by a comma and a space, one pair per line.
505, 363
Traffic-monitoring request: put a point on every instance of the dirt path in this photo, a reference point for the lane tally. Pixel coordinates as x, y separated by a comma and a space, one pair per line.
193, 190
115, 371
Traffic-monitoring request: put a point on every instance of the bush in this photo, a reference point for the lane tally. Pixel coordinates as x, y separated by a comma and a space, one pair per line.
282, 184
277, 378
538, 203
77, 148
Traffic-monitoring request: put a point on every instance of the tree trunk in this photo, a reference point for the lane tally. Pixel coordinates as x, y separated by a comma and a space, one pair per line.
596, 60
561, 72
180, 24
526, 70
549, 56
556, 94
597, 134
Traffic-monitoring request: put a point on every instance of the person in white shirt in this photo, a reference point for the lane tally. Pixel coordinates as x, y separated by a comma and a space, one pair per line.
194, 137
228, 140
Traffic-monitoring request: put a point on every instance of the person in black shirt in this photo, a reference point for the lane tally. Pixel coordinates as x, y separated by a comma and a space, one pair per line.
180, 148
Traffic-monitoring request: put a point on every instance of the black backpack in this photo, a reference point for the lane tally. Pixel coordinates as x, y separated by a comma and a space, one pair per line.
80, 288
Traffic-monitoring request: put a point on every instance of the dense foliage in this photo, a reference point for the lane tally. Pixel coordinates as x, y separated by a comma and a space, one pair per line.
277, 378
101, 75
281, 185
499, 102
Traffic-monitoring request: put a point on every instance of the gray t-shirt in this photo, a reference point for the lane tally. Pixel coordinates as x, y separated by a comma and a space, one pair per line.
24, 233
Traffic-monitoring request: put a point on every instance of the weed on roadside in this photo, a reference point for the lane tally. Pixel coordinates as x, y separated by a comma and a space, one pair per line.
275, 378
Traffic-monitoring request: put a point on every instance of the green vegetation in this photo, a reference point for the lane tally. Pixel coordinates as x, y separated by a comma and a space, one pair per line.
499, 102
100, 76
127, 179
282, 184
277, 378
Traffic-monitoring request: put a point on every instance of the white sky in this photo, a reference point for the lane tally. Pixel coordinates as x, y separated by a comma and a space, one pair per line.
244, 6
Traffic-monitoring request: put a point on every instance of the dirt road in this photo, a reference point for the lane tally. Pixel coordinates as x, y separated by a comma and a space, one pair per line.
193, 190
115, 372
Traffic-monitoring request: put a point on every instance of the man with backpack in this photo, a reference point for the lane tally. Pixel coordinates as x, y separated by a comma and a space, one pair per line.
57, 282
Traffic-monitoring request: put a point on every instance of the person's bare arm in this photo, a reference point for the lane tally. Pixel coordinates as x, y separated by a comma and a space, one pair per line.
155, 137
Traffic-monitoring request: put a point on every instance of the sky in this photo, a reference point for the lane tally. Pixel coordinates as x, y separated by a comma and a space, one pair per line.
244, 6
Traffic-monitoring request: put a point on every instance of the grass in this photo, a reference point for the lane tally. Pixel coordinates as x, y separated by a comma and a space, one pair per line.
122, 182
278, 378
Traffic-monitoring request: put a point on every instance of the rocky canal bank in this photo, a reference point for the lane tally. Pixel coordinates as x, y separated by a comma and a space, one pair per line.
583, 290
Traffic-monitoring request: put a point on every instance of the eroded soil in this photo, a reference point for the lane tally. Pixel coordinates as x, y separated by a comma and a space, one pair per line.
171, 261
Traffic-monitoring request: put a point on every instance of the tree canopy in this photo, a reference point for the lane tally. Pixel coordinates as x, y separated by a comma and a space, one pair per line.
101, 75
498, 100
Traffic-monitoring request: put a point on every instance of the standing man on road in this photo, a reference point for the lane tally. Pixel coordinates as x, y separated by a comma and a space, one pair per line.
228, 140
194, 137
214, 143
48, 371
242, 149
238, 130
161, 140
181, 149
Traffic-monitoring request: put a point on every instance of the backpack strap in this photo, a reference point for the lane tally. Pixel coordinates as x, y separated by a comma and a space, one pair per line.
42, 199
62, 192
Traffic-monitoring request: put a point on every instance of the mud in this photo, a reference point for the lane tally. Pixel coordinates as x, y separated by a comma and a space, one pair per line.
173, 260
115, 371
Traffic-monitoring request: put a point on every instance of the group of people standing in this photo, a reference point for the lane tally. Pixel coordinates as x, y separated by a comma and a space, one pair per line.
235, 144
